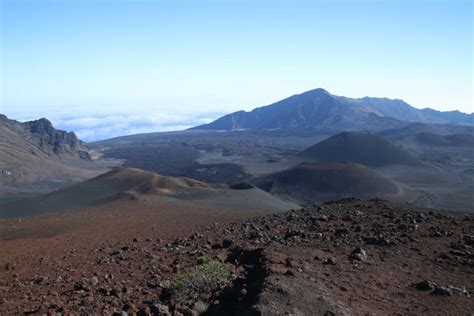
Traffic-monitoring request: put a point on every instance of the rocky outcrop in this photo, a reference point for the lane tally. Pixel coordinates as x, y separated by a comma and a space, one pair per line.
42, 135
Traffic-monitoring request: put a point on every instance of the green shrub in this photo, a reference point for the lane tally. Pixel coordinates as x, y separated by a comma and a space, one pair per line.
208, 275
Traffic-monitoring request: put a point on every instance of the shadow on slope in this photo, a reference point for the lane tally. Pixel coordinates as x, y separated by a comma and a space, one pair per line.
367, 149
311, 182
453, 140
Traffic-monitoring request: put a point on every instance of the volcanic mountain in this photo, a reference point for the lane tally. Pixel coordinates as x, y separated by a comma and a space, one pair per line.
321, 109
367, 149
324, 181
131, 184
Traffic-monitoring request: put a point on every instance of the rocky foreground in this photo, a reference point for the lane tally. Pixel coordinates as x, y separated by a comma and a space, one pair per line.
341, 258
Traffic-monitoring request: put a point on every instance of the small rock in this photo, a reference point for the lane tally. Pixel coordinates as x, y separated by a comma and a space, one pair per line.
78, 286
442, 291
425, 286
376, 240
226, 243
114, 292
358, 254
200, 307
341, 232
88, 300
161, 309
294, 232
330, 261
94, 281
323, 218
152, 284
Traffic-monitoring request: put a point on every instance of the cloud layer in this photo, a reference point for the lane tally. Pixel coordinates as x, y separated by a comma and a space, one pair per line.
92, 128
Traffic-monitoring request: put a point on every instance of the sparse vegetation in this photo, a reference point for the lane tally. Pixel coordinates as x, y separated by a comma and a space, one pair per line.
210, 274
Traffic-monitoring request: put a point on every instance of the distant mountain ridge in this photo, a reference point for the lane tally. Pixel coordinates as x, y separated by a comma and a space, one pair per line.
319, 109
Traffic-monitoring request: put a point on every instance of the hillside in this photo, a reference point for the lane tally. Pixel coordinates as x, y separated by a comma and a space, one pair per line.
36, 157
320, 109
454, 140
367, 149
137, 185
321, 182
421, 128
347, 257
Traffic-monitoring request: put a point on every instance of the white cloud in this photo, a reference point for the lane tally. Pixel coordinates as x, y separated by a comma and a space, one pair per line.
91, 128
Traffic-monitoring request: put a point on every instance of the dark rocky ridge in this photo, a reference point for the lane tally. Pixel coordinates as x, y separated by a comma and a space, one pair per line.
51, 141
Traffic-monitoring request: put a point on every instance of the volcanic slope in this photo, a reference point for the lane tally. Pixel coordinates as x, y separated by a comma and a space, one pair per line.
143, 187
419, 128
324, 181
453, 140
367, 149
35, 157
348, 257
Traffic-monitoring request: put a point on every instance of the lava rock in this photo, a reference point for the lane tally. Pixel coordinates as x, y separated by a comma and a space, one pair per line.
425, 286
294, 232
376, 240
330, 261
341, 232
442, 291
226, 243
358, 254
160, 309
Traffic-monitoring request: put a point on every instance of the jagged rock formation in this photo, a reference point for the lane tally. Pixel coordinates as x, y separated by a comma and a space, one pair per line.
43, 136
35, 157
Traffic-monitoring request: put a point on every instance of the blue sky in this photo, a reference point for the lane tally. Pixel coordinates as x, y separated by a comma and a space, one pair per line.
105, 68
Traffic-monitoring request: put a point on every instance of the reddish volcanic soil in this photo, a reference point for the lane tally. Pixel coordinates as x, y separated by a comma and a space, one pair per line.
342, 258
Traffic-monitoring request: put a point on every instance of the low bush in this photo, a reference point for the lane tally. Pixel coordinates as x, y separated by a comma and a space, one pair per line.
209, 275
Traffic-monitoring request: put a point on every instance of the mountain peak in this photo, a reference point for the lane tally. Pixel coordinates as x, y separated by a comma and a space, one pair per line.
319, 109
317, 91
41, 125
320, 90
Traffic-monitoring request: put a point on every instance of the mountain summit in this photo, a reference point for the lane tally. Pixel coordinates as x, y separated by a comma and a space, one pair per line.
320, 109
